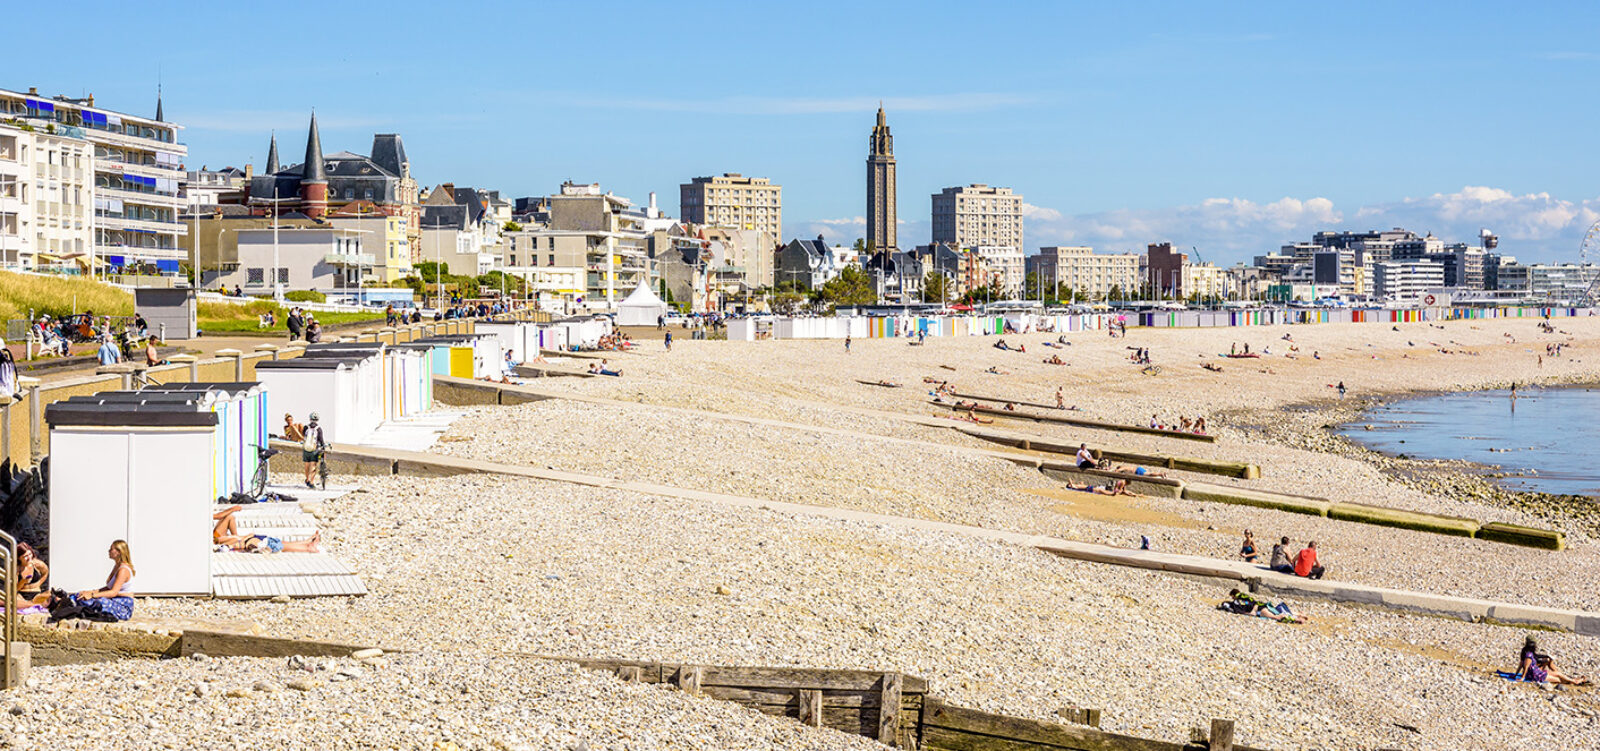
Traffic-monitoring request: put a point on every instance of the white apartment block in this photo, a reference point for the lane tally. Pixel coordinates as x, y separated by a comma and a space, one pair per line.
1002, 265
46, 199
1096, 274
978, 215
735, 202
1406, 280
1205, 280
138, 174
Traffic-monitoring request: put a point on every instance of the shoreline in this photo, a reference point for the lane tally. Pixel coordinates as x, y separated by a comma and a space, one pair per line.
1461, 478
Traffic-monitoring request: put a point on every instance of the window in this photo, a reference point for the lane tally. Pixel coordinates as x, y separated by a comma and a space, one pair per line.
369, 194
283, 276
254, 276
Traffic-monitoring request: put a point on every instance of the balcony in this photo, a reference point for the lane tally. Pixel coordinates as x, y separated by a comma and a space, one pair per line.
136, 142
102, 249
141, 225
356, 260
135, 196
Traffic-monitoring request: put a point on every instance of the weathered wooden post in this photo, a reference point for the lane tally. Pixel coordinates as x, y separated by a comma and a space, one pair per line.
1221, 735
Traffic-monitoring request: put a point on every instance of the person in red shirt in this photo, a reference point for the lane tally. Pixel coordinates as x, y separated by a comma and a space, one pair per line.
1305, 563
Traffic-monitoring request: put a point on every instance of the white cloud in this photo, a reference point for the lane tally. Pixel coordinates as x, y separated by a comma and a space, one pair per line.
1534, 226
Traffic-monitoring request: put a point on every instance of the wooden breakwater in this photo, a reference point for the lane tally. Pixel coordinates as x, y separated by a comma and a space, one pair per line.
896, 709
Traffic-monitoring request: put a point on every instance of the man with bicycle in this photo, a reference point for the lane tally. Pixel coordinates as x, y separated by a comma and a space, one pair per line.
311, 448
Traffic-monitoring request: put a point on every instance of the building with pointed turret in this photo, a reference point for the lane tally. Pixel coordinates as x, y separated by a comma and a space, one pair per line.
343, 183
881, 215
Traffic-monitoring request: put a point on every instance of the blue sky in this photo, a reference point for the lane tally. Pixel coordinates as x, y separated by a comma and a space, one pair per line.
1232, 128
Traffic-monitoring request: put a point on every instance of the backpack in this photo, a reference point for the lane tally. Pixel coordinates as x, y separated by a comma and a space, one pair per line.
313, 432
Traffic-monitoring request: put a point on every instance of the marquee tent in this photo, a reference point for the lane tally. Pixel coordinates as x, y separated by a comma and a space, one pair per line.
642, 308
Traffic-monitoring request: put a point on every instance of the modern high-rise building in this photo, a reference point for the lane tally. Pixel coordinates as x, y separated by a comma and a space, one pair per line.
46, 199
881, 216
735, 202
978, 215
138, 170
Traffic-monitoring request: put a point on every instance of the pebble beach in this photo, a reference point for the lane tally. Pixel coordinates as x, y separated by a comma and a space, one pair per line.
473, 575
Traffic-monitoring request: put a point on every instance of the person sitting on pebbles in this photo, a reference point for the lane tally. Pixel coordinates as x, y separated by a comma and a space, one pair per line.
1536, 666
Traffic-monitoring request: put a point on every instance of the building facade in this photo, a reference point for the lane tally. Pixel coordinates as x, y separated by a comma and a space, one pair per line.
733, 201
319, 185
1164, 271
205, 187
46, 200
882, 232
975, 215
1408, 280
1003, 267
324, 259
386, 236
1100, 276
138, 170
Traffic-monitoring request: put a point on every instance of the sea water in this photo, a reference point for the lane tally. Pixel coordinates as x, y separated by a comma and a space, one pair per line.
1545, 440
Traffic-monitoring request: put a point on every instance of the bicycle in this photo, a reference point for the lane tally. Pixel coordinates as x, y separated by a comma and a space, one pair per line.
258, 483
322, 468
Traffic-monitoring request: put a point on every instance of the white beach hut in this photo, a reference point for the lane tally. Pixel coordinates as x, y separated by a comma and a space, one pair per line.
138, 468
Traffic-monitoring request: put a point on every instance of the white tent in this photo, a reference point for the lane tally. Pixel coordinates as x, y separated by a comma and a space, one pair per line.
642, 308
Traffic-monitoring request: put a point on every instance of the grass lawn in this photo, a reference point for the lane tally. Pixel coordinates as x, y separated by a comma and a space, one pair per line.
220, 318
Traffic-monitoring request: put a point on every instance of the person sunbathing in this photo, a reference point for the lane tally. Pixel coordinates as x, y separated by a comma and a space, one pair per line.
1212, 368
1244, 603
1137, 470
1055, 360
995, 370
226, 532
1116, 487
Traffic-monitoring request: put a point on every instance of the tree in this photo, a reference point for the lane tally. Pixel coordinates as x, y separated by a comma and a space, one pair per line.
861, 246
851, 287
513, 227
788, 302
935, 286
430, 270
1115, 293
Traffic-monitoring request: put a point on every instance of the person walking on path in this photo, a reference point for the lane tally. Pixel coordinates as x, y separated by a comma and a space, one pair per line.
311, 447
669, 341
1341, 390
847, 344
296, 324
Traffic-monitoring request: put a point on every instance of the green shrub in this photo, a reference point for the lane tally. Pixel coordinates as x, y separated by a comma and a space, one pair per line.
305, 295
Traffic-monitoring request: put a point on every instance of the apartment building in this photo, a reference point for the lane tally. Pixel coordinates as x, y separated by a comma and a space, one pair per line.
978, 215
46, 199
138, 170
1406, 280
592, 230
733, 201
387, 236
1002, 266
1082, 269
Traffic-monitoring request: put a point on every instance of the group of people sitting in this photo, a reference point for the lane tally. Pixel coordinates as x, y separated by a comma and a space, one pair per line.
618, 342
1185, 425
109, 603
1304, 563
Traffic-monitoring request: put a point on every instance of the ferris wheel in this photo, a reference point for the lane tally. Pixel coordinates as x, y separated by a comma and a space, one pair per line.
1589, 266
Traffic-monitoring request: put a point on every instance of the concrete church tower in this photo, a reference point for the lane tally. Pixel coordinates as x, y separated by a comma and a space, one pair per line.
881, 215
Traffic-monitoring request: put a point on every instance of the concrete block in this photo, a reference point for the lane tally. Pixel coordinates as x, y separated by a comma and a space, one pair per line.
1257, 498
1516, 534
21, 662
1392, 517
